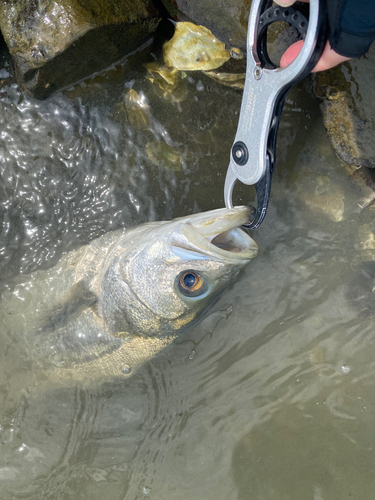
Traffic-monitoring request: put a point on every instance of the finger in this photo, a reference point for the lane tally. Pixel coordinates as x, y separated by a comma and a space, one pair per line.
284, 3
290, 54
328, 60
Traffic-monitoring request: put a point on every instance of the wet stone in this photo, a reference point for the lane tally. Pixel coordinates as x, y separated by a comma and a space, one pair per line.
57, 43
233, 80
126, 369
137, 109
168, 83
196, 48
226, 18
348, 106
193, 48
164, 155
326, 195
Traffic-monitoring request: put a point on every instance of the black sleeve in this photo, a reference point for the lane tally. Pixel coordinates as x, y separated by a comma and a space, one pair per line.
351, 26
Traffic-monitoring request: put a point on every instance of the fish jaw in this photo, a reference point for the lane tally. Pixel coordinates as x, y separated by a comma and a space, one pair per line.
216, 234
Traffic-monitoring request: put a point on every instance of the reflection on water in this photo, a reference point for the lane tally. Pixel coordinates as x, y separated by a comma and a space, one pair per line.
271, 395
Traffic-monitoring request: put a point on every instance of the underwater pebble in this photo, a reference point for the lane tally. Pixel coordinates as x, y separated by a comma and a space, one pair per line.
192, 354
126, 369
200, 86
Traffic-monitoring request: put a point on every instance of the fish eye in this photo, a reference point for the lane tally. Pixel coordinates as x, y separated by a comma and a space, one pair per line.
190, 283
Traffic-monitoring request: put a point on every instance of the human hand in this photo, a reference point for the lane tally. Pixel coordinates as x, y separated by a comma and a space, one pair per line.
328, 59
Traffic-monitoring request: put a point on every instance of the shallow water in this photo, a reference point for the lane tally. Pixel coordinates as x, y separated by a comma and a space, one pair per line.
271, 395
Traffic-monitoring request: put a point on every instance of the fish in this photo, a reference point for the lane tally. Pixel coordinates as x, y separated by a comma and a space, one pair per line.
110, 306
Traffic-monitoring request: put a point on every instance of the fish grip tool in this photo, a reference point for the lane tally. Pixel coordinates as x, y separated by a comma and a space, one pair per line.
253, 153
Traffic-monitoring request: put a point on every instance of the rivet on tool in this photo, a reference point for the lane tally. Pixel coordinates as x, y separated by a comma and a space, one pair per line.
240, 153
258, 73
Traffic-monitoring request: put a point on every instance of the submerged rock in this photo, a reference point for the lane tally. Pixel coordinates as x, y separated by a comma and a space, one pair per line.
328, 195
326, 198
57, 43
233, 80
170, 83
137, 109
348, 107
164, 155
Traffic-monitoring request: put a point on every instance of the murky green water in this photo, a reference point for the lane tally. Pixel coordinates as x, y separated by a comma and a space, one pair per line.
271, 396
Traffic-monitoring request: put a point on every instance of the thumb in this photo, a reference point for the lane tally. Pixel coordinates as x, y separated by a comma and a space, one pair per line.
285, 3
328, 60
291, 53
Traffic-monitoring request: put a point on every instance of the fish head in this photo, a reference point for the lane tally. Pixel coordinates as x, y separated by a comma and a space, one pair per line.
161, 277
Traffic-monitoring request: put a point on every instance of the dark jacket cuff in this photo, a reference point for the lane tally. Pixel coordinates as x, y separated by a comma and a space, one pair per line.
350, 44
351, 26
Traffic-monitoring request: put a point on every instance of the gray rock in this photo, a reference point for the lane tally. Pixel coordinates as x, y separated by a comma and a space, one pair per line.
57, 43
348, 107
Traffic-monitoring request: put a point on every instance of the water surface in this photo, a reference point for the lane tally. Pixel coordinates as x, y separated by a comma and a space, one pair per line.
271, 395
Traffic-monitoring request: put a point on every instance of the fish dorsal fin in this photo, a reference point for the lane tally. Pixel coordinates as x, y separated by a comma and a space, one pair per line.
68, 307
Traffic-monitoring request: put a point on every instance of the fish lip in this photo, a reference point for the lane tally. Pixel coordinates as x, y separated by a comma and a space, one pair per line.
235, 244
218, 233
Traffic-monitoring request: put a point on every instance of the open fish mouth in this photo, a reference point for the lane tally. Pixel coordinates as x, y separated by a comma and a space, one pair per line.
218, 233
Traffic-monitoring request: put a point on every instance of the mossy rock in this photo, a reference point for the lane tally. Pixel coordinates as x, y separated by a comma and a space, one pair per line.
57, 43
